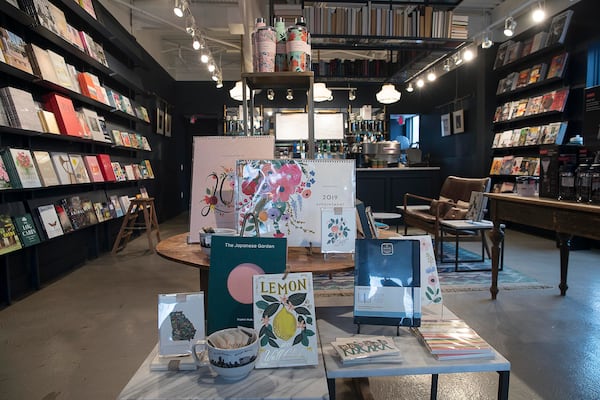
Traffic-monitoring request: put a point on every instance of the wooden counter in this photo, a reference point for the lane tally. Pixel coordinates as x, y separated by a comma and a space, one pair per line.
383, 188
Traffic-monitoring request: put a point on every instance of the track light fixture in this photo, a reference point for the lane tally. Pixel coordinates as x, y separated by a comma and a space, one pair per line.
352, 95
190, 24
446, 66
196, 44
431, 76
270, 94
410, 88
468, 55
204, 57
289, 94
219, 83
509, 26
211, 67
179, 8
457, 59
420, 82
487, 42
538, 14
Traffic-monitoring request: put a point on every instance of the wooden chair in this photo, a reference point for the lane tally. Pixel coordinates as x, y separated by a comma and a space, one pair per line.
455, 193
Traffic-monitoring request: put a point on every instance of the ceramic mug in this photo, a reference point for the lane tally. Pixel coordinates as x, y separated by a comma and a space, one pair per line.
232, 352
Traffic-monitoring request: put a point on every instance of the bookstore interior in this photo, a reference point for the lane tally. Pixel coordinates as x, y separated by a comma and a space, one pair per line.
295, 145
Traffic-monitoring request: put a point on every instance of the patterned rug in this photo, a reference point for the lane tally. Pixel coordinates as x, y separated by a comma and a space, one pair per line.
342, 284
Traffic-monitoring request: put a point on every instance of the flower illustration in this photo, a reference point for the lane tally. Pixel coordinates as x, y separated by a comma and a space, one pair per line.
338, 230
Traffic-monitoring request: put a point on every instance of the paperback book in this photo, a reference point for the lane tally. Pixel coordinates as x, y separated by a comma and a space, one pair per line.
25, 167
50, 221
26, 230
362, 349
284, 317
8, 234
452, 339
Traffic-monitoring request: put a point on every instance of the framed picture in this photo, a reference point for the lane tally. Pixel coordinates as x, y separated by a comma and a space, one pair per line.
458, 121
160, 119
446, 130
167, 127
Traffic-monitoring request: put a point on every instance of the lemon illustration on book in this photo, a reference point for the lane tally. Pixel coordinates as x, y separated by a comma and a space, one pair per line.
284, 324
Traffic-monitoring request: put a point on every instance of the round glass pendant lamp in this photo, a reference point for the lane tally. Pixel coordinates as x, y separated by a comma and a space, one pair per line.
320, 92
237, 94
388, 94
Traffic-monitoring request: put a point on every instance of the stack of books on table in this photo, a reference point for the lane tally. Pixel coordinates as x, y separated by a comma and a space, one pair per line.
452, 339
367, 349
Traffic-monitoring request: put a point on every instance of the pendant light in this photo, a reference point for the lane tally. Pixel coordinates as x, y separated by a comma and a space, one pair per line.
236, 92
320, 92
388, 94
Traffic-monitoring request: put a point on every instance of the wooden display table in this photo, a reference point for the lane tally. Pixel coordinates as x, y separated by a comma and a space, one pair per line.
176, 248
566, 218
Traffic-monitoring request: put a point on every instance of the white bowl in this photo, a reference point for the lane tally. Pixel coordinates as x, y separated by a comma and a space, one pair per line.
206, 237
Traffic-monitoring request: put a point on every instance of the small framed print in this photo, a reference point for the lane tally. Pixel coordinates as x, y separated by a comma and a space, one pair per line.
180, 322
160, 119
338, 230
446, 129
458, 121
167, 123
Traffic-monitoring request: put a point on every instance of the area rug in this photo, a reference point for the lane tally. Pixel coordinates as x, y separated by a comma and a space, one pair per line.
342, 284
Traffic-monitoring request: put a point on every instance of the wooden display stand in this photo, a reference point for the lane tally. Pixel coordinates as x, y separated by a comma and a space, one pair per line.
146, 206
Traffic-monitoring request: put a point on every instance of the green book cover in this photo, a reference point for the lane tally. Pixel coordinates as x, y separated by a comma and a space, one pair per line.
9, 241
26, 230
234, 261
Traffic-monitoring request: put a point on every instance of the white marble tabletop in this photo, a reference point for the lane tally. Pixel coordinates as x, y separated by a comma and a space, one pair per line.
416, 359
301, 383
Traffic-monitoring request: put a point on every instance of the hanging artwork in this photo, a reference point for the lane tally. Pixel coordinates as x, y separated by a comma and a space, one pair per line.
458, 121
446, 129
168, 119
160, 117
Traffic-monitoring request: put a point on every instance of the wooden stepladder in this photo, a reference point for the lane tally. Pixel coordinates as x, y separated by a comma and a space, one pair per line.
137, 206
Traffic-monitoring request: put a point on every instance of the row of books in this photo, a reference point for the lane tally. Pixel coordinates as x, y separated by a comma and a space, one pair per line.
537, 73
52, 67
553, 133
46, 14
515, 165
17, 232
374, 20
353, 68
57, 115
547, 102
75, 212
22, 168
510, 51
452, 339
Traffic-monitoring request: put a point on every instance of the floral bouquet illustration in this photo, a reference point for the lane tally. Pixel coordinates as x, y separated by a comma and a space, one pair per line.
274, 191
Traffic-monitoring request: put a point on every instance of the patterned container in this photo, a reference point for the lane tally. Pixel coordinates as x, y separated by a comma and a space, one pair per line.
264, 41
281, 50
298, 47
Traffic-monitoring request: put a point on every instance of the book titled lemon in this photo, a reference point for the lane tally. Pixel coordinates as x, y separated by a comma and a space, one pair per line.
284, 317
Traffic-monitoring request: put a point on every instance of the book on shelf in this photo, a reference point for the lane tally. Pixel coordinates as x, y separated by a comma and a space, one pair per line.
148, 168
496, 141
63, 217
40, 11
125, 202
25, 168
98, 210
537, 73
20, 108
60, 69
91, 120
526, 47
87, 85
130, 175
534, 105
81, 175
93, 168
88, 6
114, 199
559, 99
45, 168
523, 78
73, 207
521, 108
546, 103
516, 165
74, 38
48, 121
9, 239
14, 51
539, 41
26, 230
106, 167
559, 27
496, 165
85, 129
553, 133
501, 53
66, 116
284, 317
522, 136
90, 214
41, 63
533, 136
507, 165
362, 349
5, 178
557, 65
513, 52
117, 139
63, 168
452, 339
106, 138
125, 139
50, 221
60, 20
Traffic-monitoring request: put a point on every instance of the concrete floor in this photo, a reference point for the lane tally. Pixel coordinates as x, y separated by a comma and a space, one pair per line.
83, 336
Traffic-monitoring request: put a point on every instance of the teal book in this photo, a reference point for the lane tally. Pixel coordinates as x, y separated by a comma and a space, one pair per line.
26, 230
234, 261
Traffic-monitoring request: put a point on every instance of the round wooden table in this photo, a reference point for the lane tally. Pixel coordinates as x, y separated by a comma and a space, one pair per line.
176, 248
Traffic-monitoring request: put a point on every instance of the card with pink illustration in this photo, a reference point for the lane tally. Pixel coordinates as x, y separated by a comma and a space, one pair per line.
213, 177
338, 230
